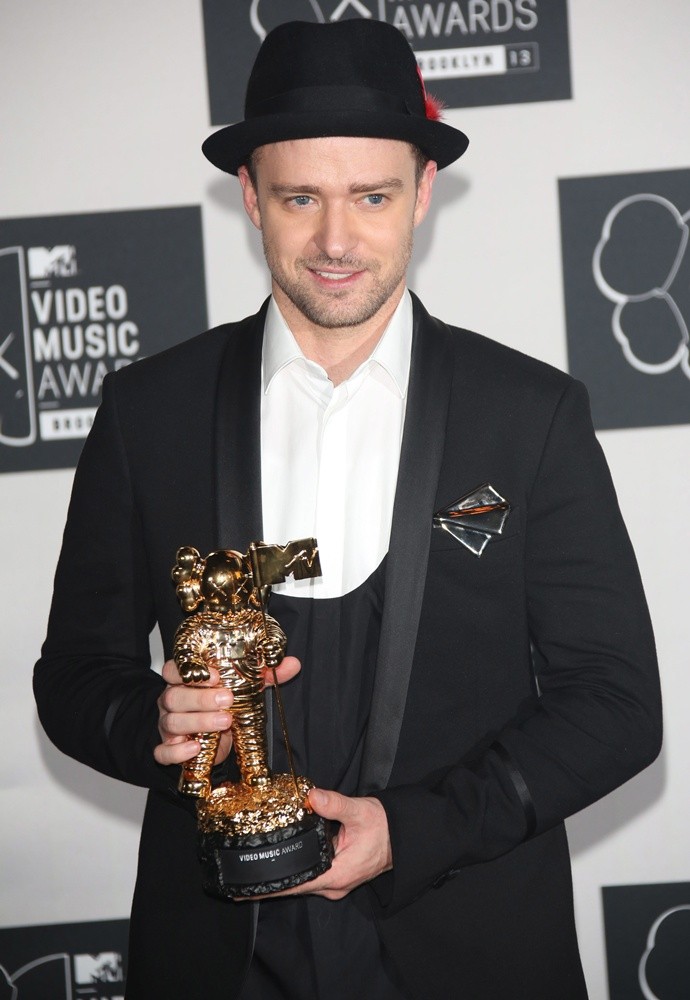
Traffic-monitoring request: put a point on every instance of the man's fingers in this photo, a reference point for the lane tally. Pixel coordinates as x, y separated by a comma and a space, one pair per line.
288, 668
170, 673
188, 723
176, 750
185, 710
180, 698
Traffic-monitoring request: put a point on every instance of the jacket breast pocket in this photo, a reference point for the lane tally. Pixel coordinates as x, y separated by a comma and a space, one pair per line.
442, 540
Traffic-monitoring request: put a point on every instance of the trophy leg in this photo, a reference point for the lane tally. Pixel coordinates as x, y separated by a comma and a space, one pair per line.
195, 778
249, 735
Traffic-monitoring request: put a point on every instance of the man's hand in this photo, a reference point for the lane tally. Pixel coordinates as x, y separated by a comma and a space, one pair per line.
184, 709
362, 845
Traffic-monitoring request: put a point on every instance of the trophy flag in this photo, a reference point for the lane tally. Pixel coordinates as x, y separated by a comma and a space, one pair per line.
274, 563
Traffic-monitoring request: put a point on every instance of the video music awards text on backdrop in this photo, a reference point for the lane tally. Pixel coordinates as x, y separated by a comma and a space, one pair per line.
82, 296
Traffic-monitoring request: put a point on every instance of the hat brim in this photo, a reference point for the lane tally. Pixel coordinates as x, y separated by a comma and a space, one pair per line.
230, 147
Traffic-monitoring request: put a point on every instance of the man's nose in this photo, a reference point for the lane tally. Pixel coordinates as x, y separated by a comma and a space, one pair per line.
336, 232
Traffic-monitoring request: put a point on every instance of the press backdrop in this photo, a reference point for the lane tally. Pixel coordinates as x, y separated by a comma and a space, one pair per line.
561, 233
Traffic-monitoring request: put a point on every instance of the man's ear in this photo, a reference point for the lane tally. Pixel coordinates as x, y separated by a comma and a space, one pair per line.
424, 187
249, 196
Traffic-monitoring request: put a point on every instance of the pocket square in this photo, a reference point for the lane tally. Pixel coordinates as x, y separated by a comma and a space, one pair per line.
475, 518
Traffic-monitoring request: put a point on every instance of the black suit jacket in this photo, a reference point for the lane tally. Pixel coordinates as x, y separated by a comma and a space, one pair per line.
511, 690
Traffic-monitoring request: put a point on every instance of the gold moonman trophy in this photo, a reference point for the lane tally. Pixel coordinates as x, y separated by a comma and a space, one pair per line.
257, 835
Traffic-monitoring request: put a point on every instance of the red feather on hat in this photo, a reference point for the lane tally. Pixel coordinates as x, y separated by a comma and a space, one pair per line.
433, 106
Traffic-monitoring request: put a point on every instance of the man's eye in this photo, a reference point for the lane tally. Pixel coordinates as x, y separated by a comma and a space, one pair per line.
374, 199
301, 199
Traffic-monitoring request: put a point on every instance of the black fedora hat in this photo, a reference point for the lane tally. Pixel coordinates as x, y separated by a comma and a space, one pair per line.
349, 78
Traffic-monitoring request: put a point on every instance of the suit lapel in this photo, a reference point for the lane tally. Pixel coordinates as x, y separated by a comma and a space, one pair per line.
420, 462
238, 437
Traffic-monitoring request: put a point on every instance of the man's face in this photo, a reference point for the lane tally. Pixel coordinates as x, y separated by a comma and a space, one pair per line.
336, 216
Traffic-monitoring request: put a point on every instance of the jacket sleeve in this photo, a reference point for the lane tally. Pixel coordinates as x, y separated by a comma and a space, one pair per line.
597, 718
95, 691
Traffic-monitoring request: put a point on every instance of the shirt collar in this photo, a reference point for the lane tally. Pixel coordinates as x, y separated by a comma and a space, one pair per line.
390, 356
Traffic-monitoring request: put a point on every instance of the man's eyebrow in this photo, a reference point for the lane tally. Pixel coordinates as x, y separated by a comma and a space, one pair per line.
386, 184
293, 189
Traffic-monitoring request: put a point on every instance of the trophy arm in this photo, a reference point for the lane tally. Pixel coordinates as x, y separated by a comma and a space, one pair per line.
189, 651
191, 667
272, 643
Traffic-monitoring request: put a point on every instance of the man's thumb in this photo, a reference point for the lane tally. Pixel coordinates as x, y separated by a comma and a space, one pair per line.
330, 805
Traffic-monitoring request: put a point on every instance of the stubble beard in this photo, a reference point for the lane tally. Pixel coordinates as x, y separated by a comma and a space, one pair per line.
339, 308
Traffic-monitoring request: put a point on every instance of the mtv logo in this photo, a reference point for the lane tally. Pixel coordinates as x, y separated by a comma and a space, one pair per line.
103, 968
52, 262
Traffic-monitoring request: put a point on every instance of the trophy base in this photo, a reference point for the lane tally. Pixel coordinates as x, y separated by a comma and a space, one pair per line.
255, 841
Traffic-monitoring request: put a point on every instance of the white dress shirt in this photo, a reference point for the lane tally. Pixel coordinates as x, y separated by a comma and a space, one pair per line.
330, 454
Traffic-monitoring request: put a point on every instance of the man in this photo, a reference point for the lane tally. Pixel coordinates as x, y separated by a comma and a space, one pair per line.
461, 691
